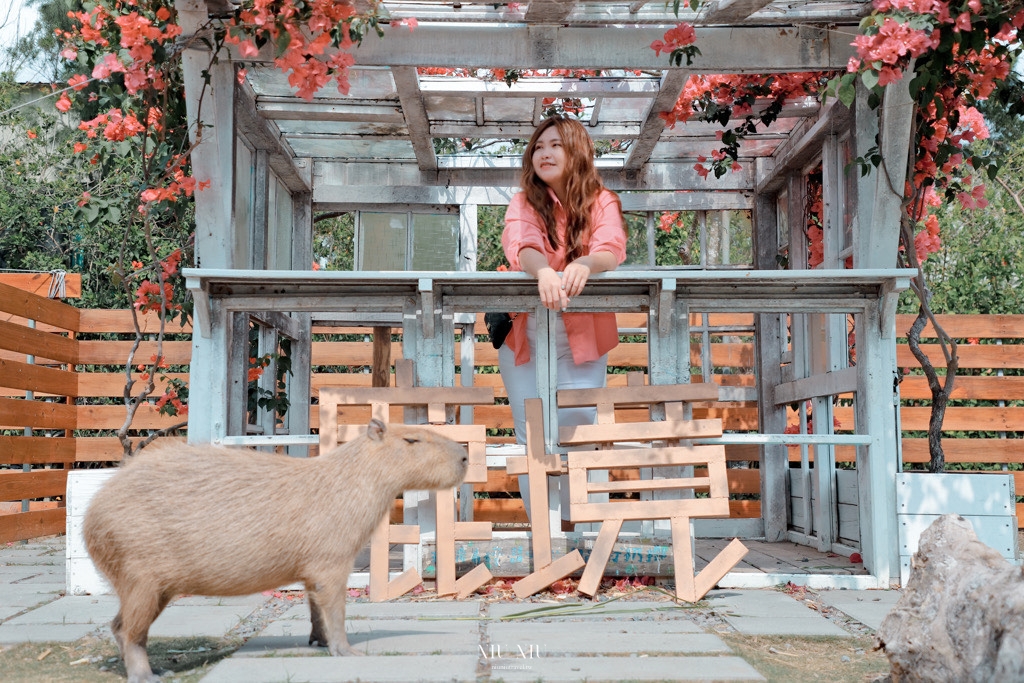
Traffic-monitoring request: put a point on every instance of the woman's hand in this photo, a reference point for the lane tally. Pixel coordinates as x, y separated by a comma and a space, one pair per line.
552, 294
575, 277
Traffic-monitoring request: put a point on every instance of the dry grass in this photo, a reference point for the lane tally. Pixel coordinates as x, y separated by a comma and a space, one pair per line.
96, 660
789, 659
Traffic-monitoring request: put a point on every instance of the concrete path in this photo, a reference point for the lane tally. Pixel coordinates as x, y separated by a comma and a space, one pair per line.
644, 637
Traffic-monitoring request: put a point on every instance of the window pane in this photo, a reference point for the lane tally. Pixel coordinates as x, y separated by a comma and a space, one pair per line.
435, 241
383, 241
729, 238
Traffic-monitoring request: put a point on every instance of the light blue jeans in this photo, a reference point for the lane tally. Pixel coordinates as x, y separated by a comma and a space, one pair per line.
521, 384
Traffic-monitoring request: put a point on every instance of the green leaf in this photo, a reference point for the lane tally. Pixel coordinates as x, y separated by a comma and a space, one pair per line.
870, 79
283, 40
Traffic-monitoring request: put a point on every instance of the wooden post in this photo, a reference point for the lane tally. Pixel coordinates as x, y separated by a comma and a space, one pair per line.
768, 333
212, 160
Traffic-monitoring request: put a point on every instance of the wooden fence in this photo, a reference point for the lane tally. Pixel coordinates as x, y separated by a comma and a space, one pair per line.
62, 380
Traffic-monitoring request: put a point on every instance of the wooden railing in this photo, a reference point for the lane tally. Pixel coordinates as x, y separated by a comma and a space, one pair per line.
72, 363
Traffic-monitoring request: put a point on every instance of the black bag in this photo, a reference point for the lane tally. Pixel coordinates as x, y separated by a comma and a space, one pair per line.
498, 327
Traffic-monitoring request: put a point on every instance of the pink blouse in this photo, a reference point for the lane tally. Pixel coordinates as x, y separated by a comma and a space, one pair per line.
591, 335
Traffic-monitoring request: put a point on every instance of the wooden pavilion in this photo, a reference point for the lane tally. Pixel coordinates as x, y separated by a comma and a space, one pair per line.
275, 160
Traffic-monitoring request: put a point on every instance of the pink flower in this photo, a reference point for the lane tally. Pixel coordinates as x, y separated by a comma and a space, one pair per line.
63, 103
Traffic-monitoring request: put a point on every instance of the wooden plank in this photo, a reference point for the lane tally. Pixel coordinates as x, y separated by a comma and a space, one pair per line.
988, 387
599, 556
409, 396
965, 326
643, 431
637, 395
649, 485
986, 356
42, 380
649, 509
97, 384
112, 417
17, 302
647, 457
48, 345
15, 485
36, 450
40, 284
27, 525
107, 448
967, 450
548, 574
119, 321
1008, 419
18, 413
116, 352
470, 582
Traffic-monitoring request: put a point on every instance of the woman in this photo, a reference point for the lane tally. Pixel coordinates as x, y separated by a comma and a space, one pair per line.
562, 228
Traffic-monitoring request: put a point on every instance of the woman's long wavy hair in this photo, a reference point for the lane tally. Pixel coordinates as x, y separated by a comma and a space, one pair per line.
582, 185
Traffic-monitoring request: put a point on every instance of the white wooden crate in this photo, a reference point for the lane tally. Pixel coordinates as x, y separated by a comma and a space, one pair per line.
985, 500
81, 574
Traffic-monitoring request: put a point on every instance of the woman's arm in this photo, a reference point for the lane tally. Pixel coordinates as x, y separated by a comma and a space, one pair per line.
549, 284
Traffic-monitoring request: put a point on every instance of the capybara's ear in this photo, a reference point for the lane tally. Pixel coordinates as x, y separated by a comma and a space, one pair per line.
376, 429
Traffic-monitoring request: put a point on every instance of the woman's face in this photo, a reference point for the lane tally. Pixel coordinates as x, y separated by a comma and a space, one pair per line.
549, 159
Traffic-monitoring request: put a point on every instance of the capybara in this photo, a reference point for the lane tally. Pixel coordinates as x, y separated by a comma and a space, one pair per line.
205, 520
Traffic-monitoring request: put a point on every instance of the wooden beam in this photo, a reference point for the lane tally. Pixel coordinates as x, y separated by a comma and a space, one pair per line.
769, 49
803, 147
729, 11
265, 136
549, 11
57, 285
653, 127
416, 119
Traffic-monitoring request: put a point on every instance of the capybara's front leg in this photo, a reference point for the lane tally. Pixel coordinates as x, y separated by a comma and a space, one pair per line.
329, 602
317, 636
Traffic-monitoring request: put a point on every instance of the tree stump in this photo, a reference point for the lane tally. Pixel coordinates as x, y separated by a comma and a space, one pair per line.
961, 615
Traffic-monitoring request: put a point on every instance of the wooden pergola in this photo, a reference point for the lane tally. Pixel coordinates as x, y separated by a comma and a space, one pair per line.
275, 160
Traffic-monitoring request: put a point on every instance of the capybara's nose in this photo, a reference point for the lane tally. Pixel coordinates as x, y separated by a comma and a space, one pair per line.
465, 460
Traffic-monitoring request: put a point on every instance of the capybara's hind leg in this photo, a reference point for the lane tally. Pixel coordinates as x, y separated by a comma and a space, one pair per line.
140, 606
317, 636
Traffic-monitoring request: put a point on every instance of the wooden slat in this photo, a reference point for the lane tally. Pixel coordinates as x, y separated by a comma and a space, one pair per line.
631, 396
994, 451
642, 431
47, 345
957, 419
18, 413
42, 380
40, 283
16, 302
120, 322
412, 396
116, 352
983, 356
988, 387
16, 485
650, 509
647, 457
112, 417
36, 450
649, 485
27, 525
968, 326
94, 384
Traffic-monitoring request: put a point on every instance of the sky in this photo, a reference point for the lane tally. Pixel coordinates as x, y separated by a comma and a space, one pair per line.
16, 20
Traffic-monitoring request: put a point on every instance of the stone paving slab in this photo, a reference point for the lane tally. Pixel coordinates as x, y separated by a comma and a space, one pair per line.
71, 609
340, 669
867, 607
593, 669
29, 594
38, 633
410, 610
251, 601
675, 637
593, 611
762, 612
375, 637
183, 621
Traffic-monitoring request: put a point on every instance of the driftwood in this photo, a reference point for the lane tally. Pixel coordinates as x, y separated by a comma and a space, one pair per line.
961, 615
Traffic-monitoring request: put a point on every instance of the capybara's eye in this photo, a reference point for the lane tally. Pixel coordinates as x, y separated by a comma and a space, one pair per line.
411, 439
